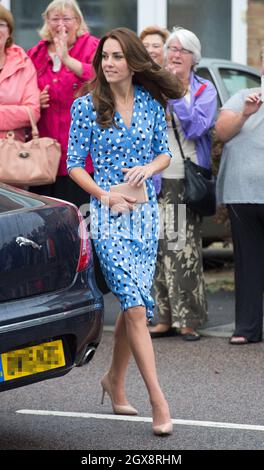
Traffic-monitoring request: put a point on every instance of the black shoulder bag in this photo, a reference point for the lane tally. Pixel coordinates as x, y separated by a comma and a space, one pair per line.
199, 183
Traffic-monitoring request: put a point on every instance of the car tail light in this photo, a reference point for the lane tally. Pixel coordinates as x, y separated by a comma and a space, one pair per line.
85, 245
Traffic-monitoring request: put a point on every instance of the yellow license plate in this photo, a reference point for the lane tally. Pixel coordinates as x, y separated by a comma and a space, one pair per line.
32, 360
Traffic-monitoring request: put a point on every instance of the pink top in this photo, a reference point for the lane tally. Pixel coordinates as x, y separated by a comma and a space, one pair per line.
18, 88
55, 120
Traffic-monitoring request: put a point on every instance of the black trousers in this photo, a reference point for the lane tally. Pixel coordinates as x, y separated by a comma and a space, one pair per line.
65, 188
247, 225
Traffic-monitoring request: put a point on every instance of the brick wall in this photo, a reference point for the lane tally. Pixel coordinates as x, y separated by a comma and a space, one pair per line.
255, 19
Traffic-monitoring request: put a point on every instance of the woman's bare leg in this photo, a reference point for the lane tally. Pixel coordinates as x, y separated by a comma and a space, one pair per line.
120, 360
142, 349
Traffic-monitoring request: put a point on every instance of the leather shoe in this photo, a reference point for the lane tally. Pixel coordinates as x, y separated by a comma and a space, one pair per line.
163, 334
163, 429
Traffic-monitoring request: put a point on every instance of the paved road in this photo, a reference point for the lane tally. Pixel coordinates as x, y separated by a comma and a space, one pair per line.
220, 317
207, 383
214, 390
218, 264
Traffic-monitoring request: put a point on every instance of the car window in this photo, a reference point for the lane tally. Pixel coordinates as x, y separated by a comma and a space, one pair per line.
10, 201
234, 80
204, 73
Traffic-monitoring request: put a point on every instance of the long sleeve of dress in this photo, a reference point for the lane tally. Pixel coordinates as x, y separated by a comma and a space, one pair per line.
160, 143
80, 130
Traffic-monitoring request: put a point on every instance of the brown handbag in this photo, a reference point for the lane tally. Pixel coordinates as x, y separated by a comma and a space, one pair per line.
29, 163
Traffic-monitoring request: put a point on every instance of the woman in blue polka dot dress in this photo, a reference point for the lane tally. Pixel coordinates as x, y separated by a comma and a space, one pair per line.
122, 124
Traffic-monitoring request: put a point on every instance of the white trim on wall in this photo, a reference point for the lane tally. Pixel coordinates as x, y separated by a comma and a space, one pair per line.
151, 12
239, 31
6, 3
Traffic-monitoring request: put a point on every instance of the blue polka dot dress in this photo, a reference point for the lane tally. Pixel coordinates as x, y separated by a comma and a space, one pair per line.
126, 244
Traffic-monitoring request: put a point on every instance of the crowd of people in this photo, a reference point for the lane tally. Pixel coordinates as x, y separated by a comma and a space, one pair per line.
115, 105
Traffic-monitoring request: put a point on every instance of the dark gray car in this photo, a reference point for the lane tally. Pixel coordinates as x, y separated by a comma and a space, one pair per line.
51, 312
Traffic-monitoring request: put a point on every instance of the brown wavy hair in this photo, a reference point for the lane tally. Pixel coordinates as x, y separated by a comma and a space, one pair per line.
161, 84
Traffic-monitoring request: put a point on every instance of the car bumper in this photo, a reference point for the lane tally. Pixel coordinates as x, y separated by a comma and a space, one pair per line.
47, 318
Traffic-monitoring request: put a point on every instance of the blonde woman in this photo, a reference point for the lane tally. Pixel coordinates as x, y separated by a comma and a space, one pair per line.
63, 59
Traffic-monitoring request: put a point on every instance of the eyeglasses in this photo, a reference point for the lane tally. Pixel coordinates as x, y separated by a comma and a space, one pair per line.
181, 51
3, 25
64, 19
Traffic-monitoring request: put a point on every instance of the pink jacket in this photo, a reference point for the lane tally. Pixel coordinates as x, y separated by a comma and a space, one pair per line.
18, 87
55, 120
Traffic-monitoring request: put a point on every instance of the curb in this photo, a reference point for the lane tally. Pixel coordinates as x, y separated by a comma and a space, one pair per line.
223, 331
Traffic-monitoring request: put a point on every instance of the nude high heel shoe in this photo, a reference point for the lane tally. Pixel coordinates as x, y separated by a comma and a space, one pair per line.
163, 429
117, 409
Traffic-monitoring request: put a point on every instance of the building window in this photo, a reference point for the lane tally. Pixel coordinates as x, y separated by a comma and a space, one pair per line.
100, 15
210, 21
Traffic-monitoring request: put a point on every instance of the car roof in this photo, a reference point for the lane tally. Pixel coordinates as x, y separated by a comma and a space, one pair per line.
214, 70
215, 62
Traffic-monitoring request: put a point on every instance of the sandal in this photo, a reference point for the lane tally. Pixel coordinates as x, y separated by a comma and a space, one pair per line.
191, 336
238, 340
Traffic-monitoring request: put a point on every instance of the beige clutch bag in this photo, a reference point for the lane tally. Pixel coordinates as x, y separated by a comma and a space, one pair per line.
137, 192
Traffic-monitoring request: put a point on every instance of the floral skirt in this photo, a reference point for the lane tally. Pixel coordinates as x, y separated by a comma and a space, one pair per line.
179, 286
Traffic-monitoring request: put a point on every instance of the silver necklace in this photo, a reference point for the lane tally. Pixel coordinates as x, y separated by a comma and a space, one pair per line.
124, 107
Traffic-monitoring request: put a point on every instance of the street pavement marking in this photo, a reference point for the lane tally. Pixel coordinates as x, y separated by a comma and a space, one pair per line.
182, 422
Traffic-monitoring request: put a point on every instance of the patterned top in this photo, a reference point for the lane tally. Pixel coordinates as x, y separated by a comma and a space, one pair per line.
113, 149
128, 250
